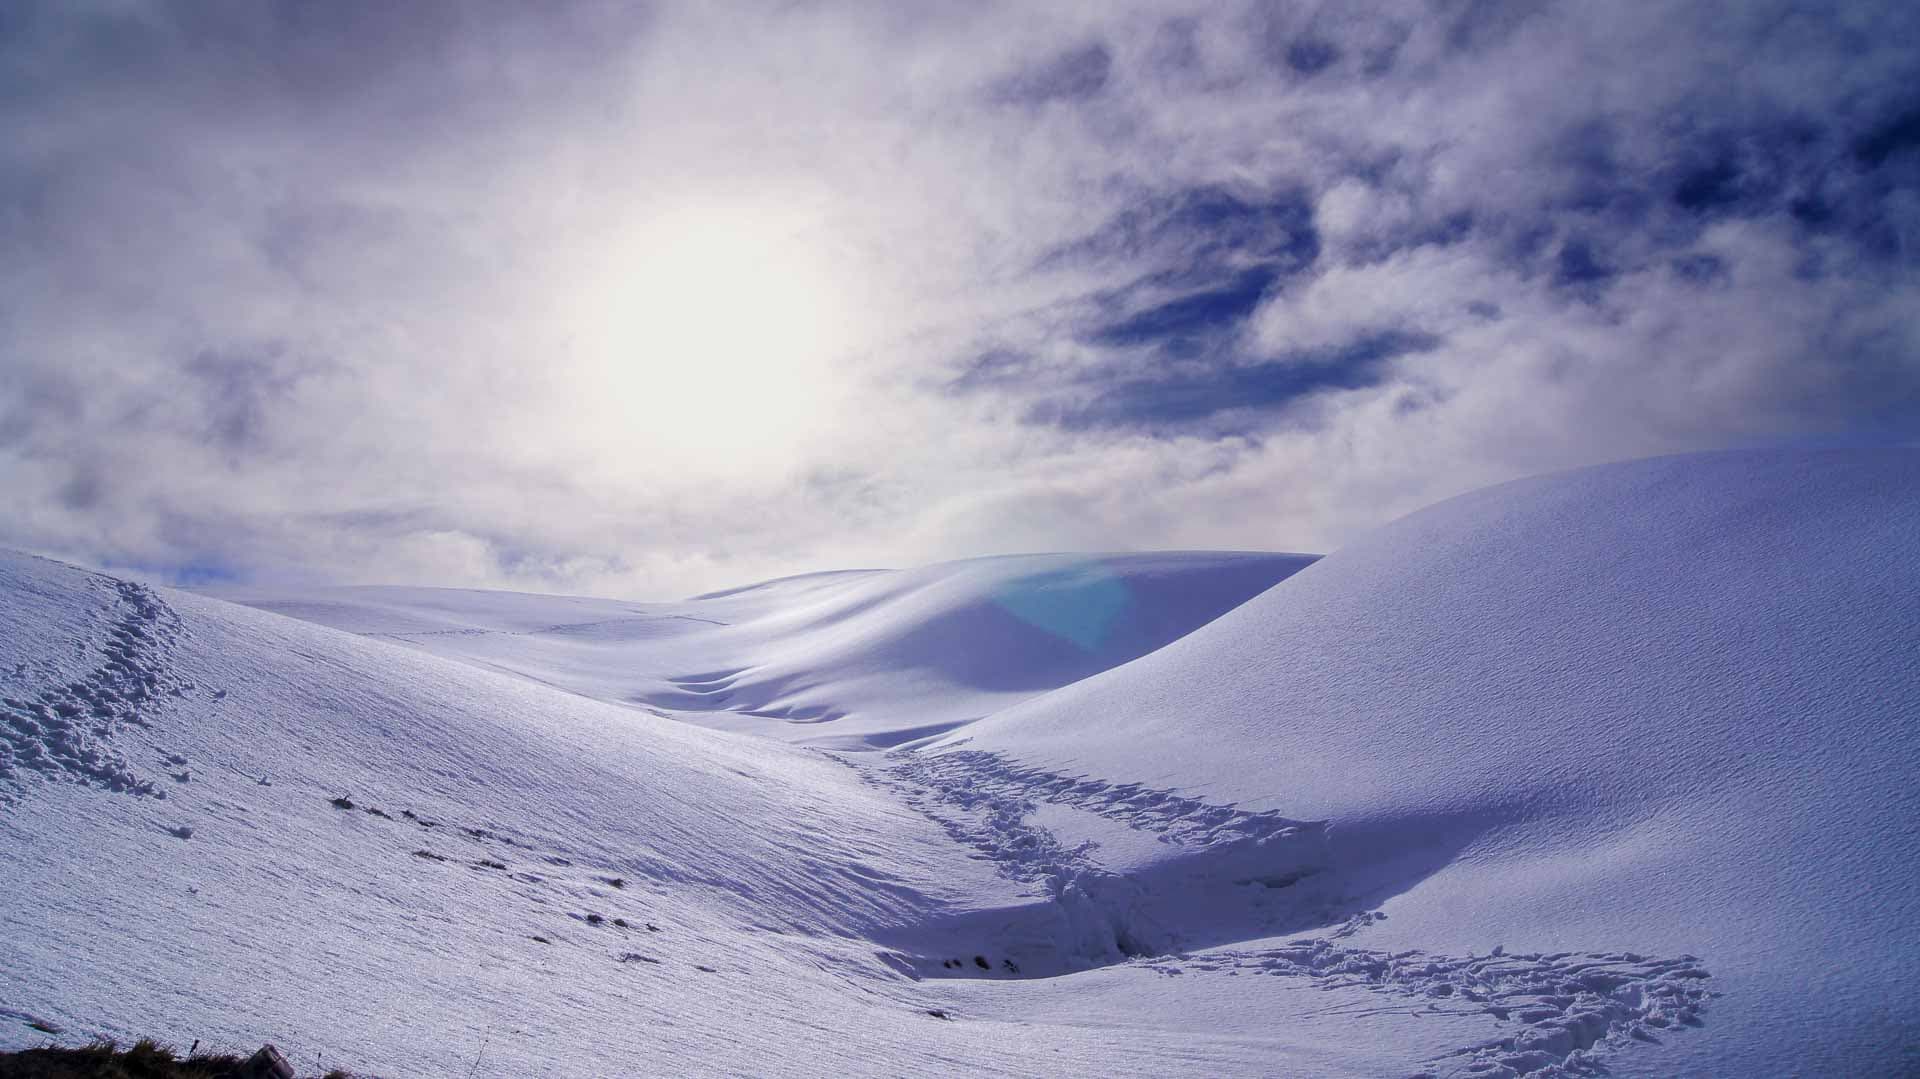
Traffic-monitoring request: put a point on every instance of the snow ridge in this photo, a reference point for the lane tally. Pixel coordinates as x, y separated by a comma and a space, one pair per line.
66, 730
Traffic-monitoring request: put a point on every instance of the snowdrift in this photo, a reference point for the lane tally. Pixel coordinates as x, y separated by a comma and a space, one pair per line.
855, 659
1658, 710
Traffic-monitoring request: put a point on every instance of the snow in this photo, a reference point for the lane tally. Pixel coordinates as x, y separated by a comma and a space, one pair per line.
1664, 707
854, 659
1611, 769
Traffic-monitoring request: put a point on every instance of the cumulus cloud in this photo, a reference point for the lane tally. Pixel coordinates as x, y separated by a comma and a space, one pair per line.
640, 300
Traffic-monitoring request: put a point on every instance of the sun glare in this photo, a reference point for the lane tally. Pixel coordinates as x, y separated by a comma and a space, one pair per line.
709, 336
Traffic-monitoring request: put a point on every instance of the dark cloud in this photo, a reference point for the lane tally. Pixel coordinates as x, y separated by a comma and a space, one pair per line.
1226, 398
1200, 262
1311, 55
1074, 75
1901, 134
1596, 177
1579, 265
1183, 319
993, 368
1172, 48
241, 395
84, 490
1700, 269
1442, 230
1199, 230
40, 400
1475, 25
1209, 256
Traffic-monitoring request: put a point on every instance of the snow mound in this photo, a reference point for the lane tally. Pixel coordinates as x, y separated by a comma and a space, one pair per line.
1661, 709
854, 659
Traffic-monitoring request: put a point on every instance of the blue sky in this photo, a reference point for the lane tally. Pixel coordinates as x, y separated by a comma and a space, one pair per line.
652, 299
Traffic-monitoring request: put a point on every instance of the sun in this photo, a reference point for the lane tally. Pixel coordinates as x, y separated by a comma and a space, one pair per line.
713, 335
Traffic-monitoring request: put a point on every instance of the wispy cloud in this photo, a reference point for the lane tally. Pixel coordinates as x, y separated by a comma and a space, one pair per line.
648, 300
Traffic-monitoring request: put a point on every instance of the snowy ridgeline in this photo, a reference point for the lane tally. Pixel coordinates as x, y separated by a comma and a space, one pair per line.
1604, 772
857, 659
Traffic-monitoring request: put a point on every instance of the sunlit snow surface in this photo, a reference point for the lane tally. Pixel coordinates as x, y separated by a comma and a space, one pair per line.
1609, 772
857, 659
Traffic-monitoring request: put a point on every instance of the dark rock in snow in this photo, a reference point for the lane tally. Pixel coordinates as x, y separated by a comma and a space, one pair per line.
267, 1064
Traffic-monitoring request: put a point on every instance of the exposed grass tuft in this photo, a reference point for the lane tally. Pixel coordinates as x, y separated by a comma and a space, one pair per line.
147, 1059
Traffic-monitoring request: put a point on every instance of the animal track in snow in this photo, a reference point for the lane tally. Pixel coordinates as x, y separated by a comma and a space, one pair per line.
584, 881
65, 731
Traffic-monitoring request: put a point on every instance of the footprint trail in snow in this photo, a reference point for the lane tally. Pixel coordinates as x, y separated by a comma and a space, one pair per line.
67, 730
1218, 887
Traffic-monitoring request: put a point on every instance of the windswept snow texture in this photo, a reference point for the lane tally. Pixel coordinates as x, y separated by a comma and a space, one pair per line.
1609, 772
1665, 708
856, 659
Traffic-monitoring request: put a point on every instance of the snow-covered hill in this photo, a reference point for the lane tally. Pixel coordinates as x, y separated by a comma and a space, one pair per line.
177, 862
853, 659
1666, 707
225, 825
1605, 770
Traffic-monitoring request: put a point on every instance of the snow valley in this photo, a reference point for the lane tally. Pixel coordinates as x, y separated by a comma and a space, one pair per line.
1603, 772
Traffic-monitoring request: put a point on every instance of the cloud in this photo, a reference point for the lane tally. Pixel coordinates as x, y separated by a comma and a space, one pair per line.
651, 301
1074, 75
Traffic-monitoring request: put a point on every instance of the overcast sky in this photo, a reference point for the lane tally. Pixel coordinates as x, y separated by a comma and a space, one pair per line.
646, 300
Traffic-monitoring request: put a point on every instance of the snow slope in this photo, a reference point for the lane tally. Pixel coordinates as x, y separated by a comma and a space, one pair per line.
1665, 707
176, 863
1604, 772
854, 659
229, 826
